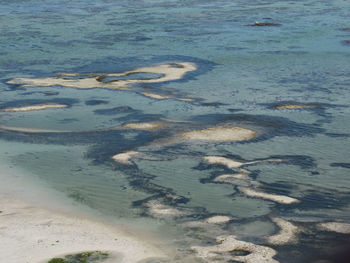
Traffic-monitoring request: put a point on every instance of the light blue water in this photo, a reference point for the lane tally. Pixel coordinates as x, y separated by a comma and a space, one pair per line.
243, 73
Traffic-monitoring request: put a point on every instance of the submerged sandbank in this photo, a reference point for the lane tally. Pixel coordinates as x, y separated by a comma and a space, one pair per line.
37, 226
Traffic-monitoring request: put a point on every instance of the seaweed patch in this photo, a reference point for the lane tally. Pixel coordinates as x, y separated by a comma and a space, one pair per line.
115, 110
95, 102
343, 165
84, 257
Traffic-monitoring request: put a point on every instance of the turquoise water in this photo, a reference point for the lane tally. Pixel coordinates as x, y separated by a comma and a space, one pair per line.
243, 74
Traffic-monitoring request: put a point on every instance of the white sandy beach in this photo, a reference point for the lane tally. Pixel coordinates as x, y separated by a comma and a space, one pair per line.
37, 224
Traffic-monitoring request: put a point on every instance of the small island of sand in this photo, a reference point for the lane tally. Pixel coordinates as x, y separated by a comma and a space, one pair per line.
140, 126
226, 245
294, 106
282, 199
124, 158
168, 72
155, 96
220, 134
35, 107
288, 233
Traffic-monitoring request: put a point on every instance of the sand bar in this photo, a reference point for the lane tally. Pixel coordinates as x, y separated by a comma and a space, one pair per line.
294, 106
282, 199
155, 96
220, 134
124, 158
169, 72
217, 219
31, 130
226, 244
229, 178
343, 228
286, 235
229, 163
142, 126
35, 107
158, 209
232, 164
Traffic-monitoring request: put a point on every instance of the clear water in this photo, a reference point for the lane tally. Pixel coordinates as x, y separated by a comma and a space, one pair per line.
243, 72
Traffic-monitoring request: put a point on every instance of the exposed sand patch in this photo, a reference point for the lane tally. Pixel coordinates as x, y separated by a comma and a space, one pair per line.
239, 179
30, 130
228, 178
220, 134
294, 106
287, 234
124, 158
155, 96
233, 164
141, 126
343, 228
186, 100
229, 163
158, 209
282, 199
217, 219
35, 107
226, 244
169, 72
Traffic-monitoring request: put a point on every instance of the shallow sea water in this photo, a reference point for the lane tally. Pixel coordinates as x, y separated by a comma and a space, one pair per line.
243, 73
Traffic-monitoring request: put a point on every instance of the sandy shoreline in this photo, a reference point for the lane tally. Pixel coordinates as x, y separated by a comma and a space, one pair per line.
37, 226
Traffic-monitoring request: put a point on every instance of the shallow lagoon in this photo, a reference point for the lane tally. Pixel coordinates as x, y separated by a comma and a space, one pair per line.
243, 74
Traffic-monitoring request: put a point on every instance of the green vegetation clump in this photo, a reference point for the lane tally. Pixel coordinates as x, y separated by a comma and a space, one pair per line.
57, 260
84, 257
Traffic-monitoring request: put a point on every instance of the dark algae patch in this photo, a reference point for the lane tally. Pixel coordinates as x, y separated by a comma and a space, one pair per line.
265, 24
84, 257
343, 165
